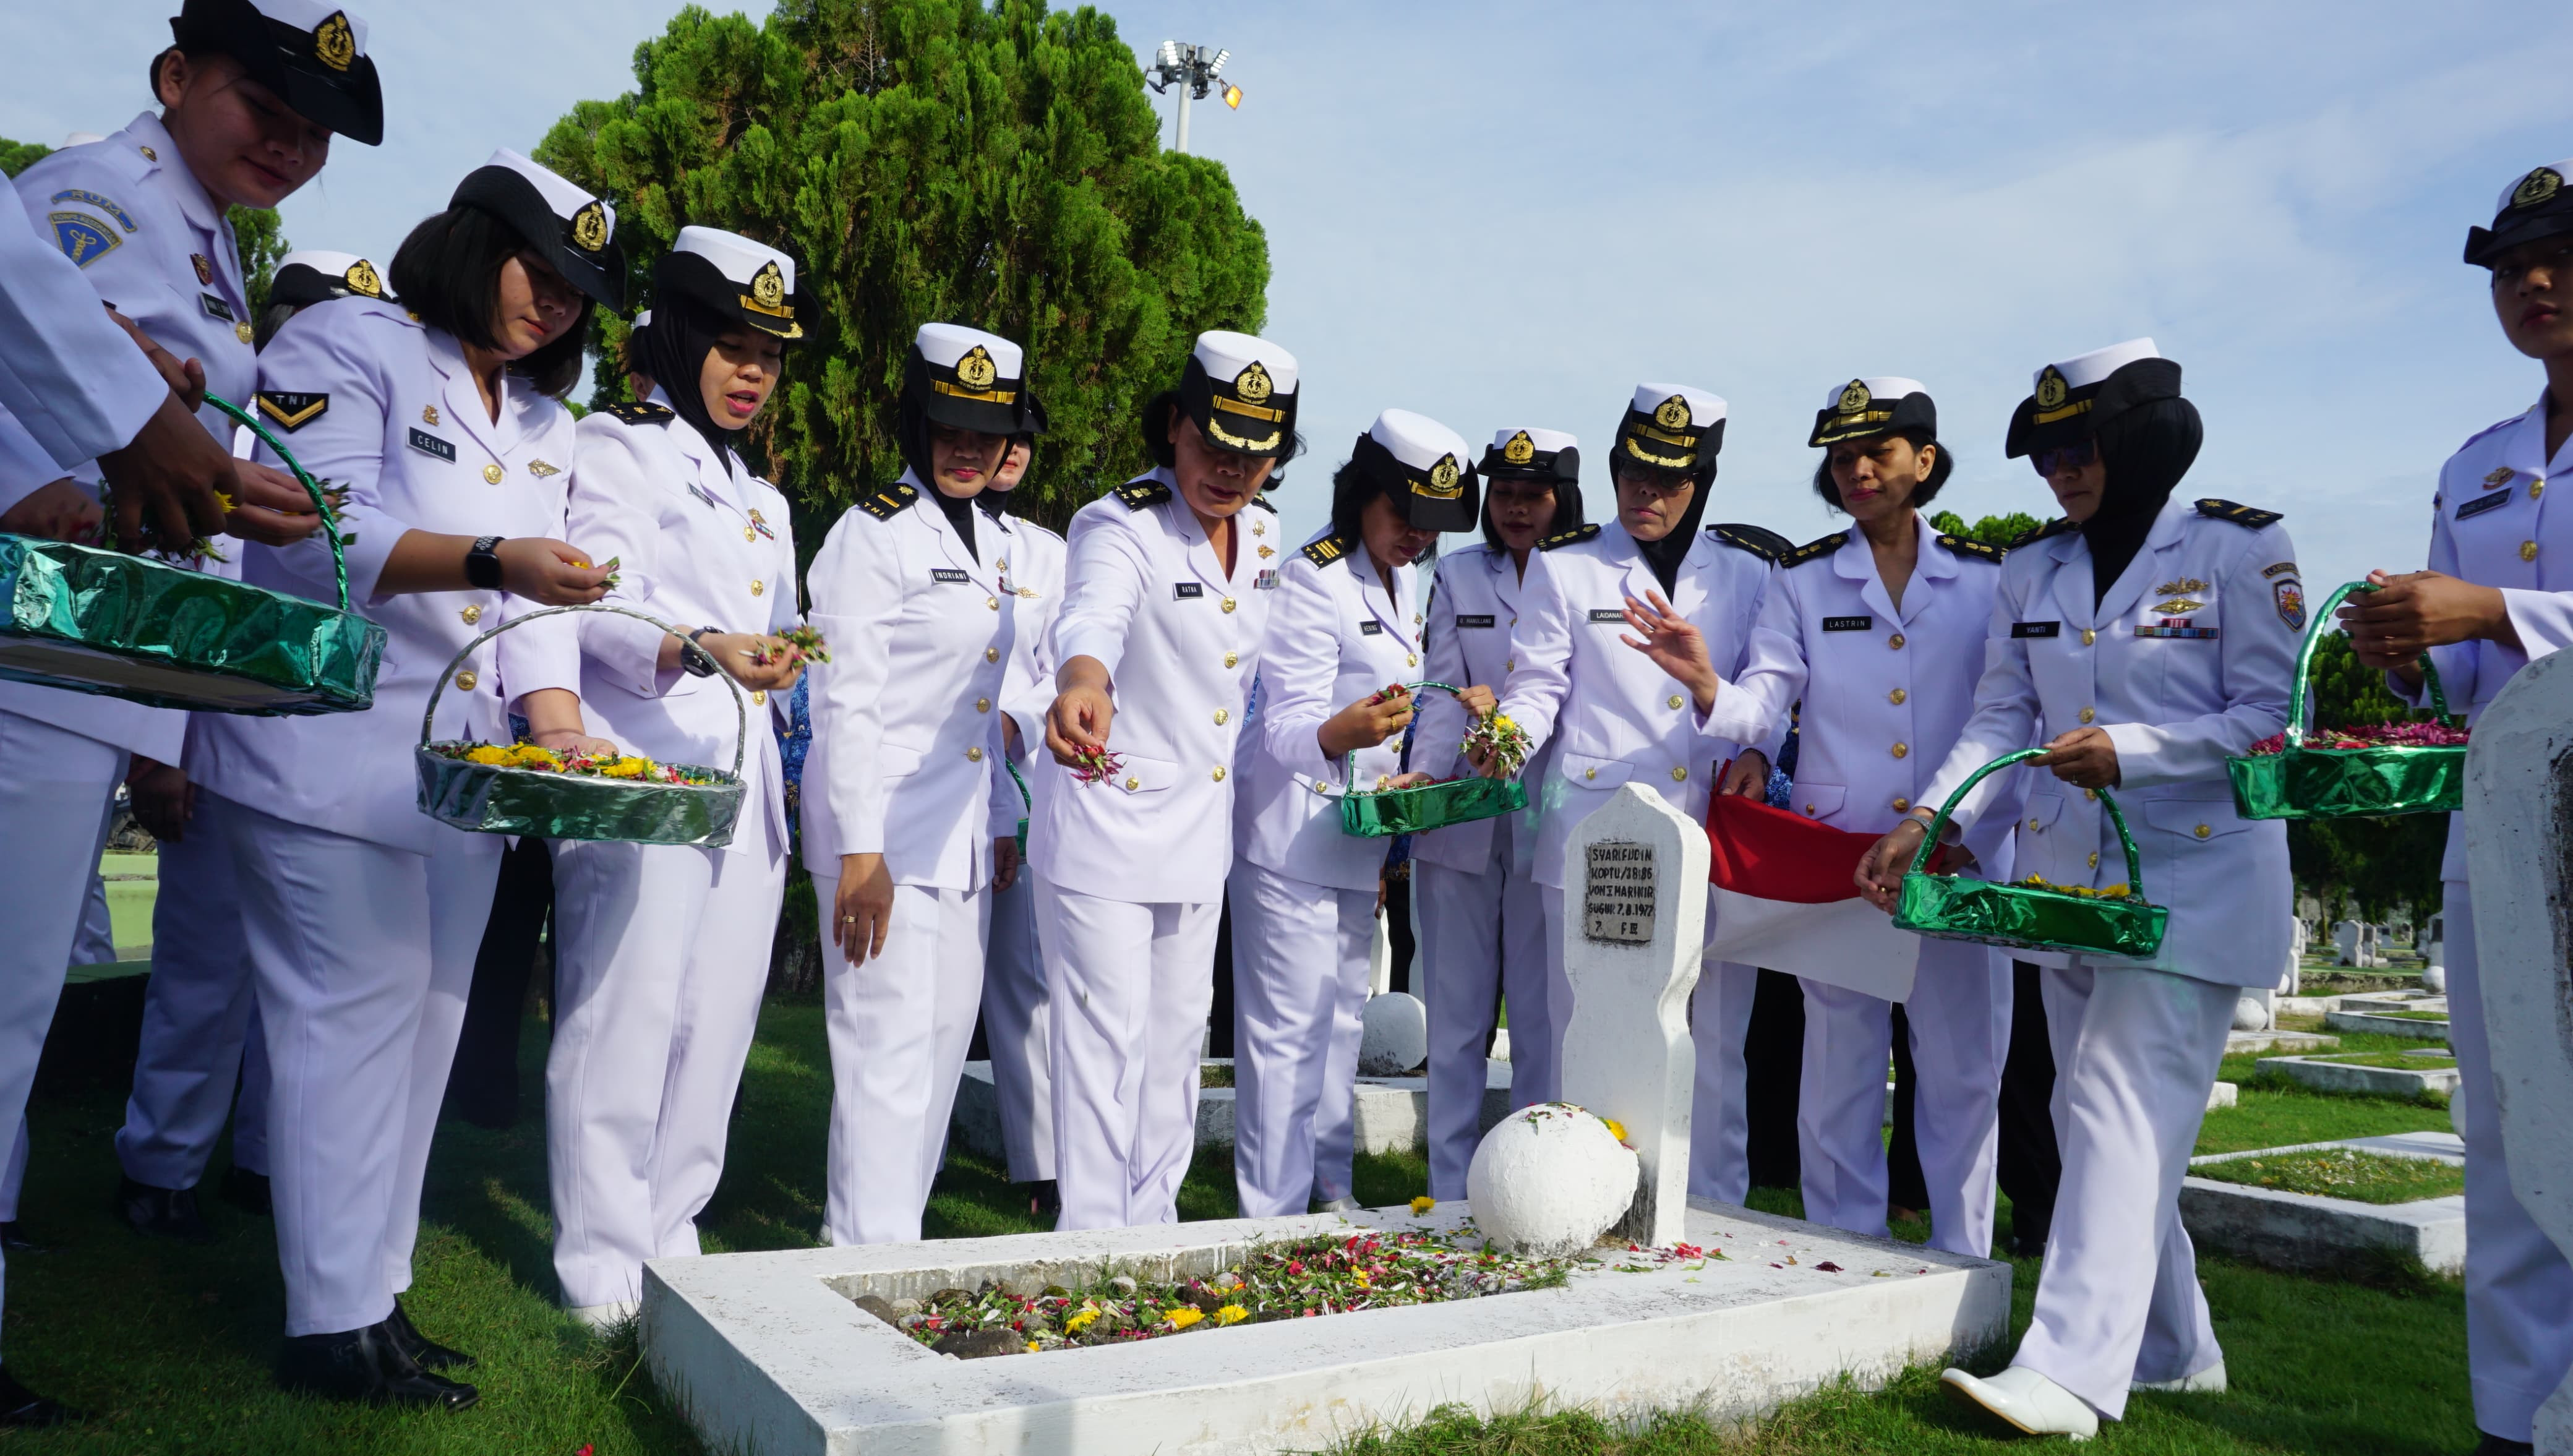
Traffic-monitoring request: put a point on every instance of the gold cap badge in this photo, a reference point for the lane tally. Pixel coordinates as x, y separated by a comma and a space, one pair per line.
1673, 413
2050, 388
360, 279
1253, 384
2537, 187
1443, 483
1521, 449
768, 288
590, 227
334, 44
1855, 397
976, 369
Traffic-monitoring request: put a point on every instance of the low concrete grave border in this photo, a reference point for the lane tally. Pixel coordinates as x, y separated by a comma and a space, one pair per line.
2397, 1082
2305, 1233
2352, 1020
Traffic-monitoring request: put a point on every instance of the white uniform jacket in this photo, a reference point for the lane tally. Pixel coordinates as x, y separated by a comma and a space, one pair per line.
1334, 636
2186, 663
1031, 567
905, 736
71, 377
386, 407
150, 241
1145, 595
1474, 608
1615, 714
1886, 691
2490, 524
699, 541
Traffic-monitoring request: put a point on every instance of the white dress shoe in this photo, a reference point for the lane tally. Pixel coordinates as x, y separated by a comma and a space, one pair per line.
2209, 1381
2028, 1402
1337, 1205
603, 1317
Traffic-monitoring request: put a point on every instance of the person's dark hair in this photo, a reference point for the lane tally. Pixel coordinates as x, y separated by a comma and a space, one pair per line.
270, 319
1567, 512
449, 273
1830, 489
1352, 489
152, 78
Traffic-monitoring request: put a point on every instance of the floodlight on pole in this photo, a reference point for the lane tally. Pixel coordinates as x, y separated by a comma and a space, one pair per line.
1194, 69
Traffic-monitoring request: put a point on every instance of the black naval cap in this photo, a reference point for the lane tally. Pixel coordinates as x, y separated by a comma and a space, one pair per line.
1420, 466
2075, 396
2536, 205
970, 379
314, 276
1530, 453
312, 53
1864, 408
739, 279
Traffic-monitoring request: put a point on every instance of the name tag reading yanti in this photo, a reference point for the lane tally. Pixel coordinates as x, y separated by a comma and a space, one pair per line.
1848, 624
1186, 591
2036, 629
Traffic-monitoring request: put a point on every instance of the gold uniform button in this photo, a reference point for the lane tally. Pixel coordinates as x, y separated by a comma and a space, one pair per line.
760, 698
1233, 659
1895, 641
2094, 859
1218, 773
759, 588
2528, 550
464, 681
1320, 789
974, 754
471, 614
2091, 794
1679, 773
1903, 750
2031, 823
1227, 603
2203, 830
1591, 773
982, 705
1412, 659
148, 153
993, 603
991, 654
2536, 488
748, 534
1133, 784
1673, 700
1901, 805
1510, 664
2087, 714
1222, 716
244, 333
1809, 811
491, 475
2089, 636
1896, 696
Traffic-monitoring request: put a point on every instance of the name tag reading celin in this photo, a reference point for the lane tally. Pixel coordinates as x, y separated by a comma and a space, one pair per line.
1617, 899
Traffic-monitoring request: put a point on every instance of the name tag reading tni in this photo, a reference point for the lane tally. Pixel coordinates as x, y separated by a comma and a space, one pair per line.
2036, 629
1187, 590
1466, 621
1848, 624
947, 573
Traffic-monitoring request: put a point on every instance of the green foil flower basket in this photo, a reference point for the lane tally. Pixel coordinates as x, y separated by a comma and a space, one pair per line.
2029, 917
2378, 781
1375, 813
123, 626
485, 798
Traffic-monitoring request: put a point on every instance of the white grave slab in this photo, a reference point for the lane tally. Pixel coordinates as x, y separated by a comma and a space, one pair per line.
2519, 833
1639, 868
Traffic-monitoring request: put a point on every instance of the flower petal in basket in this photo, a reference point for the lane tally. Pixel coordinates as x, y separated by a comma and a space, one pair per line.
2379, 780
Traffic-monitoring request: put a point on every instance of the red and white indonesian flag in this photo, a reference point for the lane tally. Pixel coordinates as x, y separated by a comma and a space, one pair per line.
1786, 898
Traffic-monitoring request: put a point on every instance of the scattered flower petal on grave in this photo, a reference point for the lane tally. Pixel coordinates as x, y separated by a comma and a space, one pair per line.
1828, 1267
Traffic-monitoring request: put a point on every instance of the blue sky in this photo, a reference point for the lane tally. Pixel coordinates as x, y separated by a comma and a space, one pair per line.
1504, 213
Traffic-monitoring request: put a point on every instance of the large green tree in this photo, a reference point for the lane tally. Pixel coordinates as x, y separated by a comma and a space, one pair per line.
930, 160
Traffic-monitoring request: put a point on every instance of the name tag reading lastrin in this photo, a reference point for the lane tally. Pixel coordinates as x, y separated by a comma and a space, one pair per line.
1617, 900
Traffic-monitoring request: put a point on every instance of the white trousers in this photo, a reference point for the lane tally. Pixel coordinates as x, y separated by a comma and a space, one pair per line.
197, 1014
1960, 1015
94, 944
1127, 988
661, 956
2519, 1288
362, 955
1014, 1024
1299, 986
1480, 932
52, 785
2118, 1300
899, 1028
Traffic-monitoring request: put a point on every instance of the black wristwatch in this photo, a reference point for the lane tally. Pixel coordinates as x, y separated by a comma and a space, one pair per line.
483, 565
694, 660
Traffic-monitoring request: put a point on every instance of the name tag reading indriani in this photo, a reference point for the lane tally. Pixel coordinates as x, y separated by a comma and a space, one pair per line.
947, 573
2036, 629
1466, 621
1187, 590
1607, 614
1848, 624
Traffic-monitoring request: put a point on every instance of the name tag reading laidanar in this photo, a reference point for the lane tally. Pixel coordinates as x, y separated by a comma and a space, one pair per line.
1617, 899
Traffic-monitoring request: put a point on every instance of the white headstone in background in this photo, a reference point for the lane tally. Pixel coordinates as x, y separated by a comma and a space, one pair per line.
1633, 929
2293, 978
2519, 833
2345, 943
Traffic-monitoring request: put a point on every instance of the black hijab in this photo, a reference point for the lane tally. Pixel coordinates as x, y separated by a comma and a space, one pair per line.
2145, 450
1665, 555
683, 332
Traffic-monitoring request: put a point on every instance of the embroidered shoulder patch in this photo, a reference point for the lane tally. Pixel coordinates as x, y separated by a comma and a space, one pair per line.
1974, 551
291, 412
1566, 538
2280, 568
84, 239
637, 412
2292, 603
1140, 493
1814, 550
2250, 517
105, 205
891, 501
1327, 550
1760, 541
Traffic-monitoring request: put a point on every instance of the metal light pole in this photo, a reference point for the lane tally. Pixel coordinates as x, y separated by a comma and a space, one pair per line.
1195, 70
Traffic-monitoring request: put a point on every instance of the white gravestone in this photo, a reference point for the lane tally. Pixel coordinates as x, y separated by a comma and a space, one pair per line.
2293, 978
2519, 852
1634, 927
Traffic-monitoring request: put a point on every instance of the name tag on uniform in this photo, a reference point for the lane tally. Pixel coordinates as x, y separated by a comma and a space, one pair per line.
216, 308
1607, 614
1187, 590
2036, 629
1466, 621
947, 573
1848, 624
2482, 504
1370, 630
429, 444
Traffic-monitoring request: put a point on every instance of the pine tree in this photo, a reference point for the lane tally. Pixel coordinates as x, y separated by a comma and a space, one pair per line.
930, 160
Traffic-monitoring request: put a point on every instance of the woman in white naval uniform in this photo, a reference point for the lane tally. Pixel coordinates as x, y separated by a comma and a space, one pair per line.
661, 951
898, 787
1343, 628
1014, 995
441, 417
1623, 631
1879, 630
2498, 594
1483, 934
2143, 640
1166, 594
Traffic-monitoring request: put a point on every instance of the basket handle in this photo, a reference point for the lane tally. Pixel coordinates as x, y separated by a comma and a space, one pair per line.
2297, 701
1349, 763
741, 709
1939, 825
329, 518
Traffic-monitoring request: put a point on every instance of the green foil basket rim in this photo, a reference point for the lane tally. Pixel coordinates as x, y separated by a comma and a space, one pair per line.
2261, 780
312, 488
1375, 813
574, 807
2142, 909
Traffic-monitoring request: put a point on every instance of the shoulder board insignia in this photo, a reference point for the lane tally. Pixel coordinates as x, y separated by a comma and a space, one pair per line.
2059, 527
1969, 547
291, 412
1140, 493
1566, 538
2250, 517
1327, 550
1264, 502
1760, 541
1814, 550
889, 502
636, 412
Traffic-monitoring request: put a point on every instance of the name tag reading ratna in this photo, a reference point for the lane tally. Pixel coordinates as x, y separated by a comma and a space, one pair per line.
1187, 590
1617, 897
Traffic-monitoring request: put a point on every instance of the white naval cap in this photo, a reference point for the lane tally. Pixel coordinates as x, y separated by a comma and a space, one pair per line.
970, 379
1422, 465
311, 53
314, 274
2071, 397
556, 216
1672, 428
947, 345
1227, 357
1531, 452
2085, 370
1242, 390
1868, 406
738, 278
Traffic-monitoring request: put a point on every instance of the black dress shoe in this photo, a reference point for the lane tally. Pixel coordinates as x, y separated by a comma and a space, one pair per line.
248, 1191
169, 1212
1046, 1199
427, 1353
14, 1239
366, 1365
20, 1406
2493, 1445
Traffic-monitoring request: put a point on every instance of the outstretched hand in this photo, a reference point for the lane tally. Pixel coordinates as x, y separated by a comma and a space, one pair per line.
1674, 644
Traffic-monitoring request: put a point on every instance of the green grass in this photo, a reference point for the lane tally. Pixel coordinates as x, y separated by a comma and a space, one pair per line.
2414, 1016
2404, 1060
168, 1346
2344, 1172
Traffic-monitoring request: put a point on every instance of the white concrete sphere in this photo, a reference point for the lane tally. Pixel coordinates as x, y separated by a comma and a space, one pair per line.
1547, 1181
2250, 1016
2434, 979
1394, 1035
